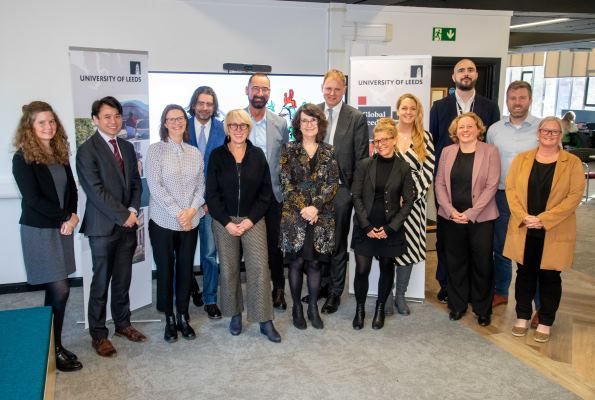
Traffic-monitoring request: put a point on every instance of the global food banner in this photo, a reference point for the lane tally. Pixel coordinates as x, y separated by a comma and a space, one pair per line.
97, 73
375, 84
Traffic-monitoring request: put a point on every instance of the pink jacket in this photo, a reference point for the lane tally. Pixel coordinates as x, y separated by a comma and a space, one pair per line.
486, 173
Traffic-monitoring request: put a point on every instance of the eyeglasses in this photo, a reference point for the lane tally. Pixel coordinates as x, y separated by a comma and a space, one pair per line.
310, 122
549, 132
235, 127
382, 141
205, 104
177, 119
258, 89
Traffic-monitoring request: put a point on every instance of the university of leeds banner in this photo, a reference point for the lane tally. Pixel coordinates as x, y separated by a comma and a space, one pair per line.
375, 84
97, 73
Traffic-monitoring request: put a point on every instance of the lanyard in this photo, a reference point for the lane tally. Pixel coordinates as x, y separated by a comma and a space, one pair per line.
460, 109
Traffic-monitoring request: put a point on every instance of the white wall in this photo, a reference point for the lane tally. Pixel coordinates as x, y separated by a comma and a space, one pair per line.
292, 37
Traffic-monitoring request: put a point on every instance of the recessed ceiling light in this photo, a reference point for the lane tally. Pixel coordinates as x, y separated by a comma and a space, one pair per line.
546, 22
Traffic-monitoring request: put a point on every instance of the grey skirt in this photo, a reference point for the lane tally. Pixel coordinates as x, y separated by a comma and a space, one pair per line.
48, 255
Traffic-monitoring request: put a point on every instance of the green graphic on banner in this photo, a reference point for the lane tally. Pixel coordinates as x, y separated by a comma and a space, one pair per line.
444, 34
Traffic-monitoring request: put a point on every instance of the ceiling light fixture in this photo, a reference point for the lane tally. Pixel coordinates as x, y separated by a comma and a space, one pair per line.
539, 23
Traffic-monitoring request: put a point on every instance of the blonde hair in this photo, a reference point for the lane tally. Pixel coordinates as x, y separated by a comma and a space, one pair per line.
240, 114
452, 129
418, 132
335, 74
26, 141
386, 125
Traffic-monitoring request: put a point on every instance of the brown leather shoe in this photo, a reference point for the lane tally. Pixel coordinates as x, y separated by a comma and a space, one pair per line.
104, 347
498, 300
131, 334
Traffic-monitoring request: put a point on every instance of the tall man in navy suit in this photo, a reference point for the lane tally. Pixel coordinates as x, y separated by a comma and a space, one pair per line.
206, 133
270, 133
108, 171
348, 133
441, 115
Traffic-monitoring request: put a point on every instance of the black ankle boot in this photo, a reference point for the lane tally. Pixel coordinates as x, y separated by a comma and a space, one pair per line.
64, 363
171, 331
185, 328
314, 316
378, 321
298, 316
268, 329
360, 314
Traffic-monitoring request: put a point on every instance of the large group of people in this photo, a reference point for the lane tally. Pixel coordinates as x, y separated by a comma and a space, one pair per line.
242, 190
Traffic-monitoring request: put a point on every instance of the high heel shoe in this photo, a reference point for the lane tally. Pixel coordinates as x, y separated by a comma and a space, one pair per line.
314, 316
378, 320
298, 316
360, 314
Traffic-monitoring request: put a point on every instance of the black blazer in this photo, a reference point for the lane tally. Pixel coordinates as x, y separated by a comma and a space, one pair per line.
399, 184
351, 141
445, 110
40, 204
109, 192
247, 194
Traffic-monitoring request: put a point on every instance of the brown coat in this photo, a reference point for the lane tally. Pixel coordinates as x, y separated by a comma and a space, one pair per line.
559, 218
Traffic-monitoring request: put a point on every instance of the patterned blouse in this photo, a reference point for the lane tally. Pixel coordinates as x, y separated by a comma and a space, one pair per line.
303, 187
176, 181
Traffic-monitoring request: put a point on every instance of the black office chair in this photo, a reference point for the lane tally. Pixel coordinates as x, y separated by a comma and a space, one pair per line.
586, 156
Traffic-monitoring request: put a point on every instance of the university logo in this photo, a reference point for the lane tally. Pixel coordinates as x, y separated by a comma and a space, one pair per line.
417, 71
134, 67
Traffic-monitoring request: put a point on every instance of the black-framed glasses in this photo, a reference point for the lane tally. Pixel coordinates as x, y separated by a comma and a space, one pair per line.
550, 132
235, 127
382, 141
176, 119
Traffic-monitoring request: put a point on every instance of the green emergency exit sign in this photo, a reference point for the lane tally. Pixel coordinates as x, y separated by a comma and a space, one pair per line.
444, 34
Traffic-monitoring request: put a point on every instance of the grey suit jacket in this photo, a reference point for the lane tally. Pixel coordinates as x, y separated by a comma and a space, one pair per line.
109, 192
277, 136
351, 141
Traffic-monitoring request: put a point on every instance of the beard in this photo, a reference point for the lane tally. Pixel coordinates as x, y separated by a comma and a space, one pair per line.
465, 86
258, 102
204, 115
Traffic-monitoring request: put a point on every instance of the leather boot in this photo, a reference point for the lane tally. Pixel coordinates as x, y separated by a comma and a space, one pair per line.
403, 275
268, 329
64, 363
389, 305
378, 321
171, 331
185, 328
360, 314
235, 325
298, 316
314, 316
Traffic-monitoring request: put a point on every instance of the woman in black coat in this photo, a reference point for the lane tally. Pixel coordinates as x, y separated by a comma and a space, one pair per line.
383, 195
49, 199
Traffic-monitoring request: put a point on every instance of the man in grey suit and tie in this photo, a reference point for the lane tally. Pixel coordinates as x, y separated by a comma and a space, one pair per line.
348, 132
108, 172
270, 133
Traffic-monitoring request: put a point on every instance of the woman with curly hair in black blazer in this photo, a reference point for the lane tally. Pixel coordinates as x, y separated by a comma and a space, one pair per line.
383, 195
49, 199
309, 180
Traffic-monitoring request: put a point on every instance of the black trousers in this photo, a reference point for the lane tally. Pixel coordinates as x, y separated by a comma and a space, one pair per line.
469, 258
173, 252
273, 223
112, 262
528, 276
338, 266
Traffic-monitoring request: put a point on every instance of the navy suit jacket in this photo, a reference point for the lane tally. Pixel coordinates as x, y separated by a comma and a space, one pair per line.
216, 138
109, 191
445, 110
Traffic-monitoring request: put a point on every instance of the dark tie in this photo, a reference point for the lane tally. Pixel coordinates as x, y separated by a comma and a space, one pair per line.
117, 154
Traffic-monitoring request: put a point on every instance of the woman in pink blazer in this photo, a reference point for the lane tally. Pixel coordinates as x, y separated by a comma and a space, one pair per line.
466, 186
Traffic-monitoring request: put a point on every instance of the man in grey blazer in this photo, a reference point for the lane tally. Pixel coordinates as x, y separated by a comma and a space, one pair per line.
270, 133
108, 172
348, 132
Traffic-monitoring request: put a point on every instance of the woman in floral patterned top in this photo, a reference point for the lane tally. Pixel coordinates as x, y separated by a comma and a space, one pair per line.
309, 180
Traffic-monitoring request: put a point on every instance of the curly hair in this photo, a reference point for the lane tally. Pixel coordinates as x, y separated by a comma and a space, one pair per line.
418, 133
311, 110
26, 141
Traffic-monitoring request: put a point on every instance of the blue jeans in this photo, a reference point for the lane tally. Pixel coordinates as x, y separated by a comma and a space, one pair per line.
502, 265
208, 260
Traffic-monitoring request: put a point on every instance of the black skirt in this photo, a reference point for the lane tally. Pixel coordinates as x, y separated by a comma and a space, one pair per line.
308, 252
393, 246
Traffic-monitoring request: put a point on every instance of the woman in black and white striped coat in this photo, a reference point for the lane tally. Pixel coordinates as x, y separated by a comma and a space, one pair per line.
414, 145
